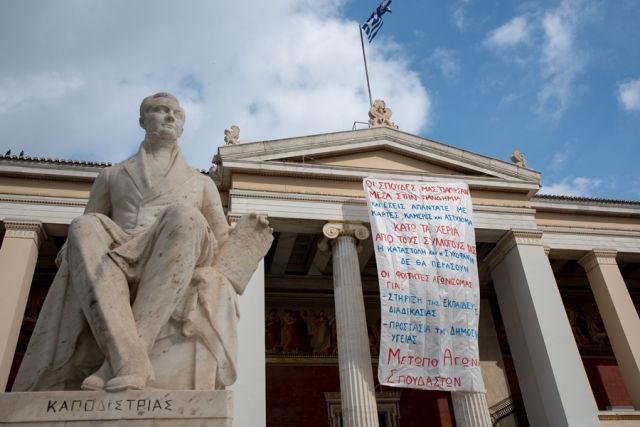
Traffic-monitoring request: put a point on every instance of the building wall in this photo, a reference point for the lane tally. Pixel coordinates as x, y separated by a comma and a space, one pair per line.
295, 397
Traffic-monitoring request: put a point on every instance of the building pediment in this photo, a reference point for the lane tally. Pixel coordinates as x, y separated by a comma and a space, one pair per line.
379, 152
384, 159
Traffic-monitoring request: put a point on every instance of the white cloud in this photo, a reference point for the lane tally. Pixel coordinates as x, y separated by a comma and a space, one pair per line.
458, 15
276, 69
509, 99
20, 91
511, 34
558, 160
446, 60
629, 95
577, 187
547, 43
561, 59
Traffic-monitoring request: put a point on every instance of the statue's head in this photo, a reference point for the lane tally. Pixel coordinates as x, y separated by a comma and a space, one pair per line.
161, 116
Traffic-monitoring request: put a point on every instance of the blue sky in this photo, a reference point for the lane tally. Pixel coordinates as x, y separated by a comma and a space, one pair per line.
545, 77
559, 80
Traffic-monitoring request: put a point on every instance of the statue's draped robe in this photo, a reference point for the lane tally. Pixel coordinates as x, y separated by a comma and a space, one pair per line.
61, 349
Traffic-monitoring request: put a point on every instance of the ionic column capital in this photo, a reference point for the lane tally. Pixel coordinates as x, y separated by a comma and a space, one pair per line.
597, 257
510, 239
333, 230
25, 229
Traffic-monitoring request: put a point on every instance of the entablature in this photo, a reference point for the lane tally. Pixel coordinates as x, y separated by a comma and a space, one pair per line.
490, 221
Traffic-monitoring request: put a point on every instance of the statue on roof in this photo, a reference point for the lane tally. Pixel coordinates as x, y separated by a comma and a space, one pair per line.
380, 115
232, 135
148, 278
518, 158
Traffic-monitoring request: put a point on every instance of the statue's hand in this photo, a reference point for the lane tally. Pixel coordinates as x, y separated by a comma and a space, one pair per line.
264, 223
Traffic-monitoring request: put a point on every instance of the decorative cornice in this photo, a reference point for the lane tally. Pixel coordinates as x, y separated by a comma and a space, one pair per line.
549, 200
44, 172
598, 257
510, 239
25, 229
357, 200
526, 237
75, 202
485, 181
273, 195
366, 139
589, 231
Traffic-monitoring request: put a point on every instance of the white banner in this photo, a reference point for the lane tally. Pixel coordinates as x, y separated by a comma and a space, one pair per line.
425, 249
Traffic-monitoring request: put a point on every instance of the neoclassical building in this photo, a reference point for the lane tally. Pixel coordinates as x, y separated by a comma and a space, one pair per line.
560, 283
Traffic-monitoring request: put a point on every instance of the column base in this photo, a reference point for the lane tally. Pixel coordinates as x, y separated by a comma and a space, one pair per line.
471, 409
212, 408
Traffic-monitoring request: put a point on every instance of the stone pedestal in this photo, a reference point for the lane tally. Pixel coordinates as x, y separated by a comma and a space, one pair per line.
356, 377
128, 408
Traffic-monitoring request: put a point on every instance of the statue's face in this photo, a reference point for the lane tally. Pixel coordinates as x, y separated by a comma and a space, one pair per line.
163, 119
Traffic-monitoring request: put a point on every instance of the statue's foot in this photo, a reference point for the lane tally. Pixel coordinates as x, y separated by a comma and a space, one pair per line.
96, 381
126, 382
92, 383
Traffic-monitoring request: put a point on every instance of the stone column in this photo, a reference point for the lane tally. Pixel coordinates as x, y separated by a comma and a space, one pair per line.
471, 409
618, 313
250, 396
491, 363
552, 378
356, 377
18, 256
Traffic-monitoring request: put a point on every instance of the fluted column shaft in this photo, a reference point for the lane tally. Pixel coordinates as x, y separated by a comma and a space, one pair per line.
618, 314
356, 377
18, 257
471, 409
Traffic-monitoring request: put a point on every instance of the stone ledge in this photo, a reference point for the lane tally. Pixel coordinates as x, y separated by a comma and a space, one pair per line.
131, 408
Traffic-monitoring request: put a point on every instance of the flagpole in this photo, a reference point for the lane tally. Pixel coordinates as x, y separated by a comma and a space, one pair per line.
366, 70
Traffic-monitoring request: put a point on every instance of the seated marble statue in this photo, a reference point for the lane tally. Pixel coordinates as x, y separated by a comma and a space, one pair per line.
149, 276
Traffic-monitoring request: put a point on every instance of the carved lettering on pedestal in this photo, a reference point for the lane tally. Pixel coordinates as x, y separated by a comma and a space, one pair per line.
140, 406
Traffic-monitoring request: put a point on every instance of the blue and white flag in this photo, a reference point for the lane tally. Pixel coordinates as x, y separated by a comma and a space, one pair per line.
374, 23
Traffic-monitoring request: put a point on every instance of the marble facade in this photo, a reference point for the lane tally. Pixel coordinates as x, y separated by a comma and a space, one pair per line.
533, 248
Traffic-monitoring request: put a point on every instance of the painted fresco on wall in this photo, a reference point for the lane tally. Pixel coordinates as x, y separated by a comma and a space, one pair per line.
588, 329
309, 331
586, 325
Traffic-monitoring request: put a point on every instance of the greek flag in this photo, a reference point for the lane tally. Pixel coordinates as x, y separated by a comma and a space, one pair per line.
374, 23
